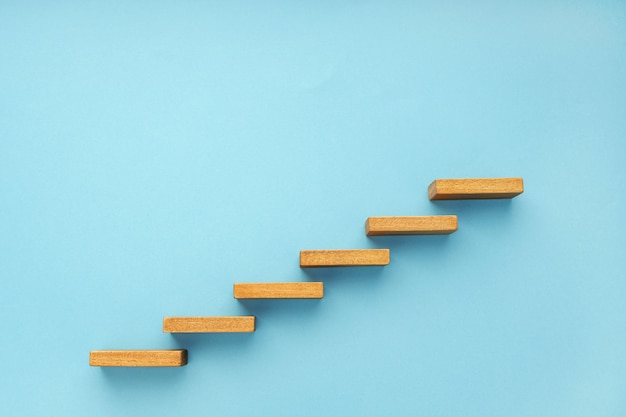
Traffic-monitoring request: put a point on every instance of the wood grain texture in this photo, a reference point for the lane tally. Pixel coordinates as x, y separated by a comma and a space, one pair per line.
213, 324
279, 290
350, 257
152, 358
475, 188
411, 225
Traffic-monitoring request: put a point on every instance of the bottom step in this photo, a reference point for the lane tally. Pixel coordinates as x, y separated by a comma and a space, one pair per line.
159, 358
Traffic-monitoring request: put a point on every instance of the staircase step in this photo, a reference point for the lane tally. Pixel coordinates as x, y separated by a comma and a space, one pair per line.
214, 324
350, 257
475, 188
279, 290
411, 225
133, 358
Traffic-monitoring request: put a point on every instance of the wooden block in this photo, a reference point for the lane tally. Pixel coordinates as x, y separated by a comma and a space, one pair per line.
160, 358
222, 324
356, 257
475, 188
411, 225
279, 290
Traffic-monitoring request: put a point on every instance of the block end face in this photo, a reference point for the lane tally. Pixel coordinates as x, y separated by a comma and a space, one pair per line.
184, 357
432, 190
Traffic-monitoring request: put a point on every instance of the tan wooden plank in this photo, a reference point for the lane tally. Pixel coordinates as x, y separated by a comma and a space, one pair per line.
158, 358
279, 290
212, 324
411, 225
350, 257
475, 188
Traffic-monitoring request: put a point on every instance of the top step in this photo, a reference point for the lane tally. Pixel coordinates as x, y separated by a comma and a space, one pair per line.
475, 188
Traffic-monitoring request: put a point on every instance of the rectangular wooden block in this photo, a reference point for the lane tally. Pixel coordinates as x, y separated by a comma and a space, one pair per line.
411, 225
351, 257
221, 324
279, 290
160, 358
475, 188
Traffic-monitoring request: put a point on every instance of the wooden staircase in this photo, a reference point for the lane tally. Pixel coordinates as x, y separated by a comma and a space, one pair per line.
440, 189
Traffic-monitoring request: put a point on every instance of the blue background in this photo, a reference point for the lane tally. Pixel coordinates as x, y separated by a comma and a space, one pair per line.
152, 153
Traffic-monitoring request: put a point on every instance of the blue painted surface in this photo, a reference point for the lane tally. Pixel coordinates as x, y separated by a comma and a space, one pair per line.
153, 153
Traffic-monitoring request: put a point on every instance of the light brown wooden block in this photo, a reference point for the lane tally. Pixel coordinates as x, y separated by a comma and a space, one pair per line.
475, 188
411, 225
352, 257
279, 290
221, 324
160, 358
